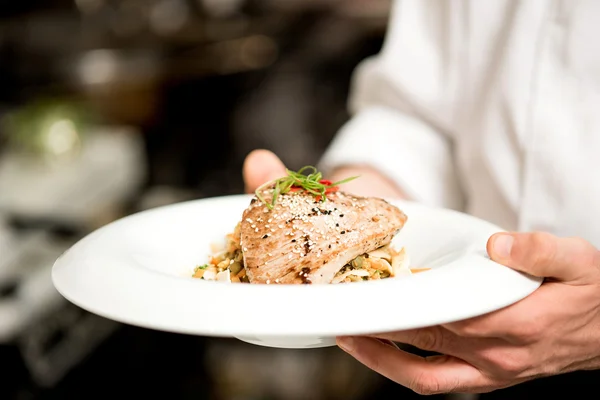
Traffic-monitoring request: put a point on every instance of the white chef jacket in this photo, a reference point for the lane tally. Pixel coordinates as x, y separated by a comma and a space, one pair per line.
489, 107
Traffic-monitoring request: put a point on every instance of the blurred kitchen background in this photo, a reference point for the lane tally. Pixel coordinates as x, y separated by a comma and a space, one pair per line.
109, 107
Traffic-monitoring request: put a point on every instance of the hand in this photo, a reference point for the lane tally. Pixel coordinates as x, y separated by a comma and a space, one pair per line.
553, 331
262, 166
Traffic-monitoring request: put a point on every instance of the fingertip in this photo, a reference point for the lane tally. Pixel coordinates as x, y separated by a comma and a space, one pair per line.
261, 166
361, 346
260, 155
345, 343
499, 246
256, 160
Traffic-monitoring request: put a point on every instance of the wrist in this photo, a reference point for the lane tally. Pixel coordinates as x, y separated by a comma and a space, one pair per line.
371, 182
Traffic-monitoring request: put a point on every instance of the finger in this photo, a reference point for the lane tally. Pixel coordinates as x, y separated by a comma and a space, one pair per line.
388, 343
434, 338
261, 166
441, 340
430, 375
546, 256
495, 356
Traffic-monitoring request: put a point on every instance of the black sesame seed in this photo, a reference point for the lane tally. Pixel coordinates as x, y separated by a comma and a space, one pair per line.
265, 236
293, 240
337, 225
341, 215
342, 232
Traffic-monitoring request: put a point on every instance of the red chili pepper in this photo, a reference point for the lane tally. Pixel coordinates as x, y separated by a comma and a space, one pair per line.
325, 182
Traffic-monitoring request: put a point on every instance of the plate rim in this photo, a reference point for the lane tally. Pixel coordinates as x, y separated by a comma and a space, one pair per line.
384, 289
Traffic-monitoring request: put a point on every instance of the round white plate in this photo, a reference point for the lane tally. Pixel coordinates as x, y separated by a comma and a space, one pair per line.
137, 270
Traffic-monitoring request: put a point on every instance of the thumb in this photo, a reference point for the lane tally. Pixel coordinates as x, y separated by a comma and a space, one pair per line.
546, 256
261, 166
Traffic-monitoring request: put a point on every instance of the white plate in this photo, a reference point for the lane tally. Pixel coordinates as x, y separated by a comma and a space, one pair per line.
137, 270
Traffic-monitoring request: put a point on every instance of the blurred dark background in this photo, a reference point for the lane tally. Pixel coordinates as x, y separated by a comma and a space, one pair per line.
109, 107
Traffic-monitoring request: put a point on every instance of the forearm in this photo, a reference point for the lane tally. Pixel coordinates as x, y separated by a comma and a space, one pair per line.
398, 137
370, 183
397, 155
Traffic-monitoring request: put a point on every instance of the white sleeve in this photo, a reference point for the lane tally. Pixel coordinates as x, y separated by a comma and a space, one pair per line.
403, 103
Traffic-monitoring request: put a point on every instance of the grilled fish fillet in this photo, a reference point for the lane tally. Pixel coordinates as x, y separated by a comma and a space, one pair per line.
303, 240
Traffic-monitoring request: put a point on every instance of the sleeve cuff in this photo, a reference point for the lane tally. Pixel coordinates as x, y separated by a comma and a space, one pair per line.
408, 151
